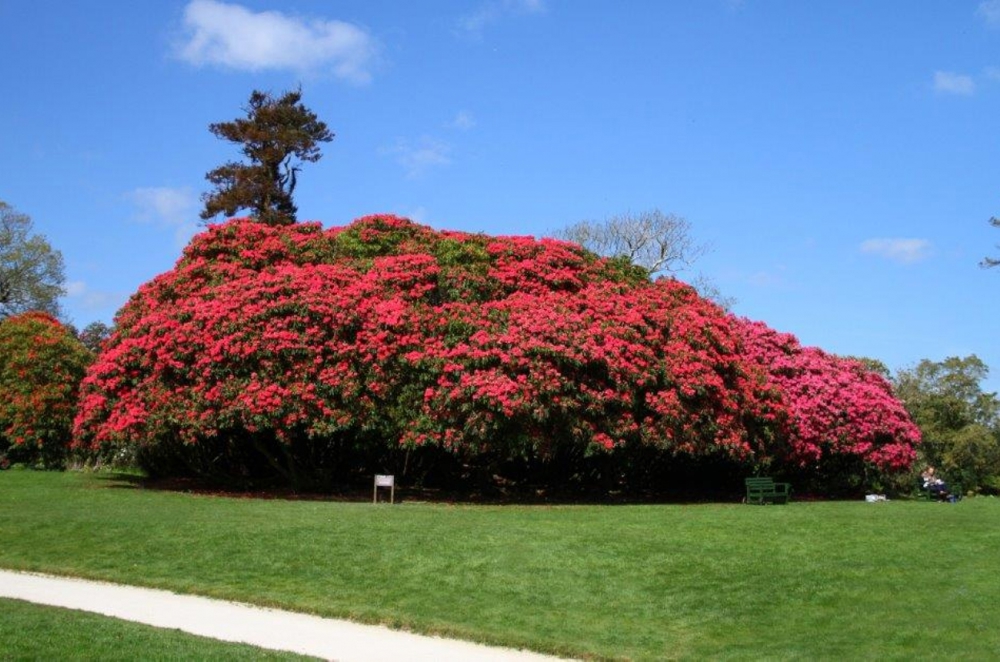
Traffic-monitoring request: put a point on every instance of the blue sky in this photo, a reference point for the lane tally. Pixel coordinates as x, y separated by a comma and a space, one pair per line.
840, 157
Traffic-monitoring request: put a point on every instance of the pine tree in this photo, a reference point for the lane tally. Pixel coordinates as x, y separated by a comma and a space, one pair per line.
276, 136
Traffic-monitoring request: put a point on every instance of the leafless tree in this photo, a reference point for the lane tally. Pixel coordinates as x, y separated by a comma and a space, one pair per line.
659, 242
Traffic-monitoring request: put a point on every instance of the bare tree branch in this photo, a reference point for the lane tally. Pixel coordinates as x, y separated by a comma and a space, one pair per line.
990, 261
653, 240
660, 243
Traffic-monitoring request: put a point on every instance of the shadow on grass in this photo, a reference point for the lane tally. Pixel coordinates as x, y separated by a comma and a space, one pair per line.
525, 495
121, 480
404, 494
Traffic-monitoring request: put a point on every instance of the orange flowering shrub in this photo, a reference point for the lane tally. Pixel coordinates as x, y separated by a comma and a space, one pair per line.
41, 366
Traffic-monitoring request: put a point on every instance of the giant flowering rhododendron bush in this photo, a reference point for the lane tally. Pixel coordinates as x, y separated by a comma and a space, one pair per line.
41, 365
837, 407
308, 353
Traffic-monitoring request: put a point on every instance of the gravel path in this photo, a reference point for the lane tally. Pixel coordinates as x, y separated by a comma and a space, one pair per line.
230, 621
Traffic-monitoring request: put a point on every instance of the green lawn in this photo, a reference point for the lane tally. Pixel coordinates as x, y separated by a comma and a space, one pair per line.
897, 580
33, 632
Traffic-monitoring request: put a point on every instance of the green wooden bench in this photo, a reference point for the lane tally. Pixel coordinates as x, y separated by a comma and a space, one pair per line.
927, 494
762, 490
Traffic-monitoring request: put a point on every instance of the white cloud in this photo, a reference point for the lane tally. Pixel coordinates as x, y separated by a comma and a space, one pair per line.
176, 208
93, 301
232, 36
947, 82
898, 250
417, 157
463, 121
494, 10
989, 11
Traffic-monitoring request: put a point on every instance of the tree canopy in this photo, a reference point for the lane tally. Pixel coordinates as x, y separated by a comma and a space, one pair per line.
960, 421
277, 135
93, 335
31, 271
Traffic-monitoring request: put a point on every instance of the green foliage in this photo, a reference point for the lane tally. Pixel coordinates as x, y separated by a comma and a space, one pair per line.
959, 421
873, 365
620, 268
31, 271
41, 366
93, 335
383, 236
274, 134
971, 458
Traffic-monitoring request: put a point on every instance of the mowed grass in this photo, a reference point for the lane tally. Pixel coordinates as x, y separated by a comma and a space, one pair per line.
896, 580
33, 632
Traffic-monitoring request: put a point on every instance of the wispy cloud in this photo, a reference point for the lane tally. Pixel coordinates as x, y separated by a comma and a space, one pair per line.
901, 250
989, 11
493, 11
947, 82
463, 121
417, 214
175, 208
417, 157
234, 37
94, 301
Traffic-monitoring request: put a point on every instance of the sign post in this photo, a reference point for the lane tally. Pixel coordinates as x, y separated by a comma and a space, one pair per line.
382, 480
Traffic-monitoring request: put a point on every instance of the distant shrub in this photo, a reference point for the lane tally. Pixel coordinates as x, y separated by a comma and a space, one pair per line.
972, 459
41, 366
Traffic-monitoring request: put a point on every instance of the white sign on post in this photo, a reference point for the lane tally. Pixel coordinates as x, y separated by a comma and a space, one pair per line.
382, 480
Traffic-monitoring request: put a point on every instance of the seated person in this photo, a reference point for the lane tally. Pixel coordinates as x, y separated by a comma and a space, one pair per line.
934, 484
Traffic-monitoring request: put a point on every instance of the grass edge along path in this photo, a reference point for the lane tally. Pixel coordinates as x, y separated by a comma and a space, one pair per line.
324, 638
891, 580
39, 632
